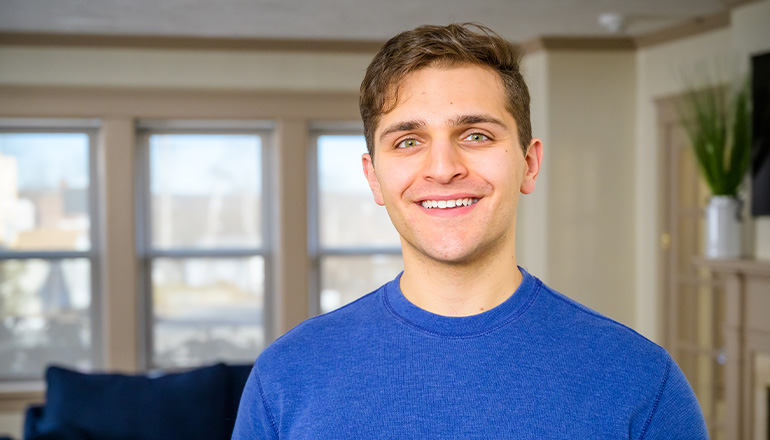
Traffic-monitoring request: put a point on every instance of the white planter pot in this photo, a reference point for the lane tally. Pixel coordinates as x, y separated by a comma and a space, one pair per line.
723, 227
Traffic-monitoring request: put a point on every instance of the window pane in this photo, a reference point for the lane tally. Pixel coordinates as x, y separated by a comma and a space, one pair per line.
207, 309
44, 182
206, 190
347, 278
45, 313
348, 215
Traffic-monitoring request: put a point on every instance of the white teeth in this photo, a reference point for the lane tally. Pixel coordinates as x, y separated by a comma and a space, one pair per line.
443, 204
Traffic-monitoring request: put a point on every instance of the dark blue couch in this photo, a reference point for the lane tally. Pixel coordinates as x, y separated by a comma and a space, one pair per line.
196, 405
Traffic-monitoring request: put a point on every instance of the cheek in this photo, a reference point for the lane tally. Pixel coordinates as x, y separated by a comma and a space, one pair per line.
394, 179
499, 170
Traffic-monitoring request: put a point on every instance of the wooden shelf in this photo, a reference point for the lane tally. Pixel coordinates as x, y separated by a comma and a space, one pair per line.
747, 335
742, 266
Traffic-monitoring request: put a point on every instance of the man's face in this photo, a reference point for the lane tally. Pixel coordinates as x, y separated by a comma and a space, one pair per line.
449, 167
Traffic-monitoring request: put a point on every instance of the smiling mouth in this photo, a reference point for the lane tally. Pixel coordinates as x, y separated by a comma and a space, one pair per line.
446, 204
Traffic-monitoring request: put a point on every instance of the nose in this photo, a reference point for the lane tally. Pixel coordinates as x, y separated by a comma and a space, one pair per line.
444, 163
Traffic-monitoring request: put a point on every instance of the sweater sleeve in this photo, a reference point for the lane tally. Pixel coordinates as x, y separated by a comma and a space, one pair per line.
254, 420
676, 413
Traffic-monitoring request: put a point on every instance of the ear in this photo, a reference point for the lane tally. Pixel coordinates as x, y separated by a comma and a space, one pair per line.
371, 177
533, 159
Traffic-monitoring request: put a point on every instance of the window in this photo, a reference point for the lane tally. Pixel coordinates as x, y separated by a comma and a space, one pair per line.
354, 246
47, 242
204, 245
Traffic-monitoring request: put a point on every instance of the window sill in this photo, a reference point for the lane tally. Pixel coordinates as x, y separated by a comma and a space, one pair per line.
18, 396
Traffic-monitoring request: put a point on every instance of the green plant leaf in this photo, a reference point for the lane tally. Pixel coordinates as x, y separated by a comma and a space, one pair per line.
719, 130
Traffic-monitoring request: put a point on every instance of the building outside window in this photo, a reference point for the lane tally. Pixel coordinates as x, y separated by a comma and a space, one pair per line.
353, 244
47, 246
203, 242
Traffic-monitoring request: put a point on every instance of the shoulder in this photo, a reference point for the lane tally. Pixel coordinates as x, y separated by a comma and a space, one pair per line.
618, 361
594, 348
323, 334
593, 330
676, 413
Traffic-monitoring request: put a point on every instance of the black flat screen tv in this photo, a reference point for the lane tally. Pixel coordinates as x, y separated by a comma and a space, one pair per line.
760, 155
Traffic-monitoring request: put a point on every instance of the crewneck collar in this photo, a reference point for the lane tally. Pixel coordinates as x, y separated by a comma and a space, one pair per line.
465, 326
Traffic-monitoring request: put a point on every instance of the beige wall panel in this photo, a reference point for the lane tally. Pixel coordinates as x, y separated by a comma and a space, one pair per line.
175, 104
750, 30
290, 256
181, 68
11, 424
591, 107
118, 291
532, 215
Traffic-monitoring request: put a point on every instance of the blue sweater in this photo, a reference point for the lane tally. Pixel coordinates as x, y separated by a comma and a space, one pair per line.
538, 366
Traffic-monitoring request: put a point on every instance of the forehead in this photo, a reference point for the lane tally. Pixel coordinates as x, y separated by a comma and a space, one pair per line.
440, 90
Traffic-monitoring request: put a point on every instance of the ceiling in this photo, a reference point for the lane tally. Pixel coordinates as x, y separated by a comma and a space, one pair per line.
345, 20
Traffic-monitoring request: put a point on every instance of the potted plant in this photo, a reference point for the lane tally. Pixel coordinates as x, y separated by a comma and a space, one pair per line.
718, 123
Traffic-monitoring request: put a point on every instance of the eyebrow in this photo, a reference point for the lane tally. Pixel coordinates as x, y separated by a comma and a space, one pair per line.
402, 126
458, 121
476, 119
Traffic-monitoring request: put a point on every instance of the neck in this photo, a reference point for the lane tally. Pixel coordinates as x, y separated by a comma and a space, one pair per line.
460, 289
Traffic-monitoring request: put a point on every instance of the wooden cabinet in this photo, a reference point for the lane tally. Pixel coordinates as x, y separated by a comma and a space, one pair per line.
746, 285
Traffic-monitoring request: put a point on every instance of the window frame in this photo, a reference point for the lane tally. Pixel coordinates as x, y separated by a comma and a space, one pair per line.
92, 128
316, 250
118, 108
143, 208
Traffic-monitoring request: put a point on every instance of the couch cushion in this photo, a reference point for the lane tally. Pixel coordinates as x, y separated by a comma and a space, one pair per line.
65, 433
190, 405
32, 418
239, 374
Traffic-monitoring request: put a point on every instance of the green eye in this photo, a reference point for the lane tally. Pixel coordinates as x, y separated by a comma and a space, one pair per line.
477, 137
408, 143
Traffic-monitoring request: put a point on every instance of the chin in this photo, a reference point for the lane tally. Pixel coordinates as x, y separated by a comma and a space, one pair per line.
459, 252
452, 256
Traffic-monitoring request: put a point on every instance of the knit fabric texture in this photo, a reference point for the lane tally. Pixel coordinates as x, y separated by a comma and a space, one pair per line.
538, 366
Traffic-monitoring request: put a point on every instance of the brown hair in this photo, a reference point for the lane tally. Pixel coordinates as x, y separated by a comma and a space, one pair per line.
444, 46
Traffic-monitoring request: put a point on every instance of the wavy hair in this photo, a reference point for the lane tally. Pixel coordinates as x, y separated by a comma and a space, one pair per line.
442, 46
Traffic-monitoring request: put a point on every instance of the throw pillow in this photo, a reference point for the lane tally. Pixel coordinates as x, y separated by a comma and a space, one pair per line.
189, 405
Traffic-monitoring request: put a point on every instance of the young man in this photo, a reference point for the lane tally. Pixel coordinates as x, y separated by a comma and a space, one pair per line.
463, 344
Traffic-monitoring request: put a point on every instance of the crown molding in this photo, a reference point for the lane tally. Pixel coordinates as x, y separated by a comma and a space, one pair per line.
578, 43
734, 3
190, 43
691, 28
184, 104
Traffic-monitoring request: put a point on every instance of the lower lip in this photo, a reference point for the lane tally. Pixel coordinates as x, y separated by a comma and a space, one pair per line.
447, 212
